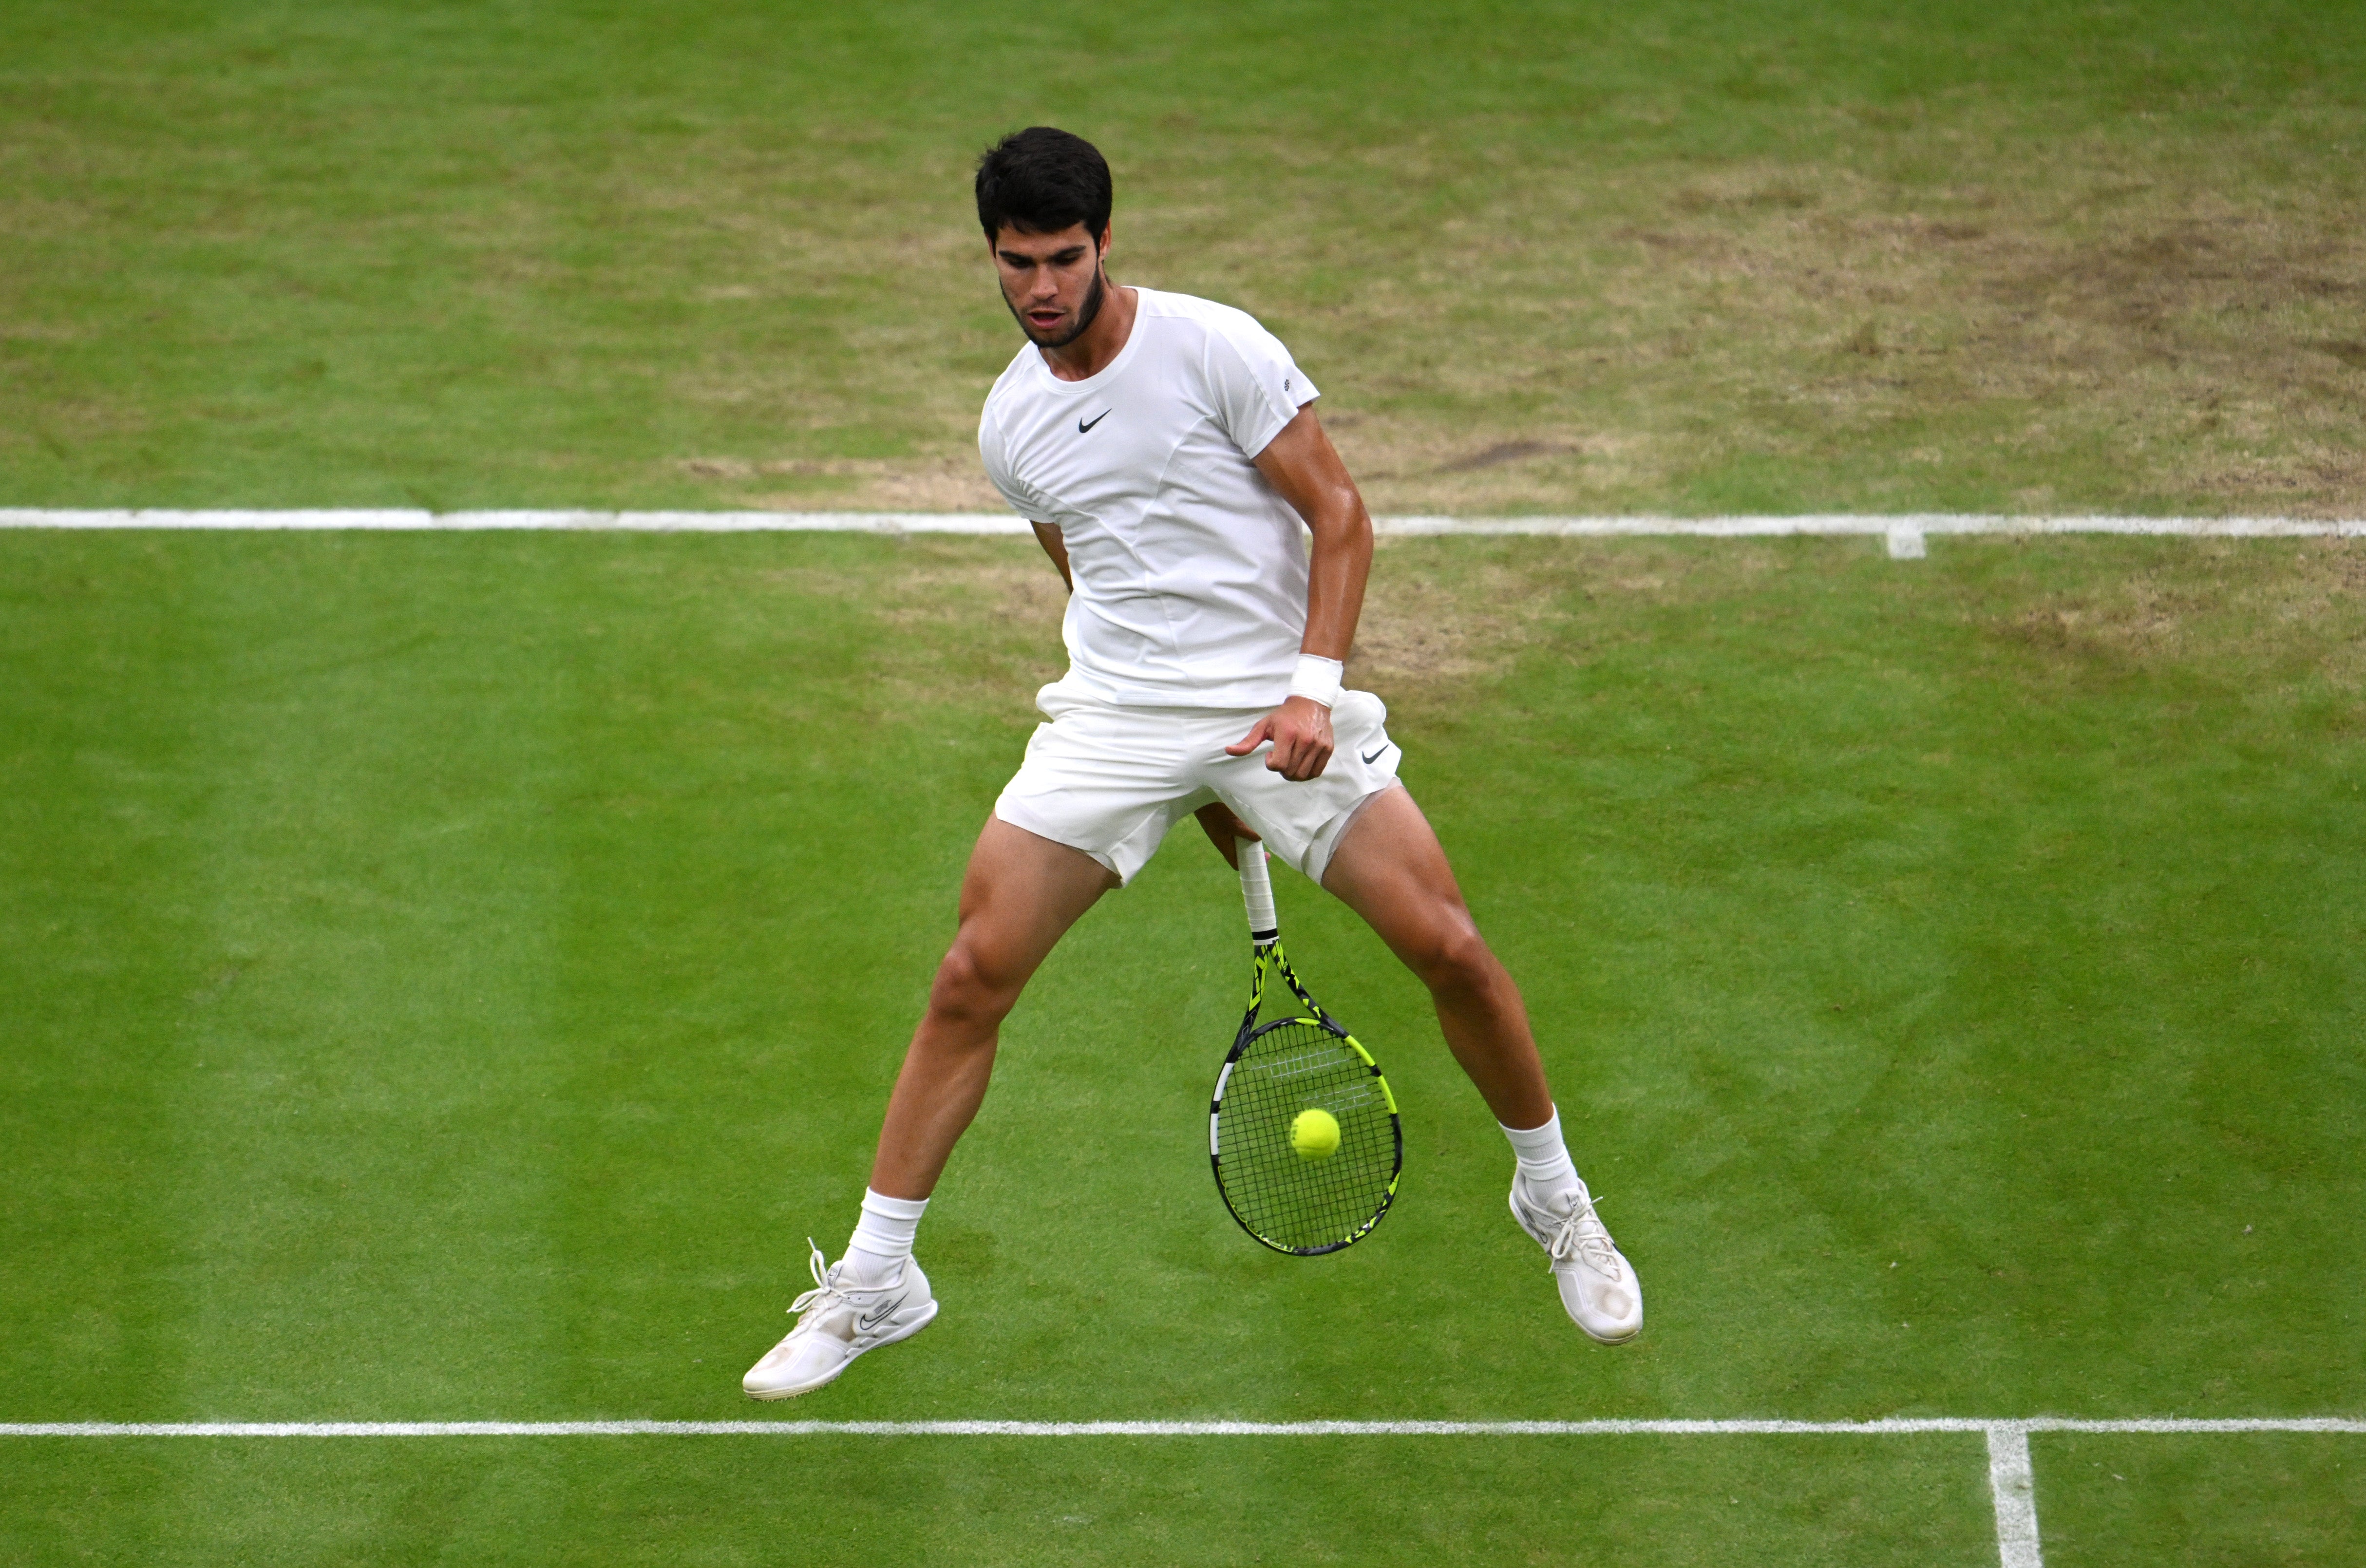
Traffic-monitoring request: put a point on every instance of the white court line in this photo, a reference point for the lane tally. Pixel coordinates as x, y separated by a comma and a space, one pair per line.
2013, 1489
2011, 1485
394, 521
1903, 1426
1904, 532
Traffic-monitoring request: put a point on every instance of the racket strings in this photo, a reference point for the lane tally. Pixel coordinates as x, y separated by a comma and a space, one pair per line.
1283, 1197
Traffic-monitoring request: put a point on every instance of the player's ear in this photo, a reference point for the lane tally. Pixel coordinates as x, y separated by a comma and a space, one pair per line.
1103, 242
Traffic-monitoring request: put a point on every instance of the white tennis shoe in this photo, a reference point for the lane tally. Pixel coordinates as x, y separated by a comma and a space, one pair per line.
837, 1321
1597, 1284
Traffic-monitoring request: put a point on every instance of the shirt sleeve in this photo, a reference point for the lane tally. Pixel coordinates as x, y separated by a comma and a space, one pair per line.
990, 451
1255, 385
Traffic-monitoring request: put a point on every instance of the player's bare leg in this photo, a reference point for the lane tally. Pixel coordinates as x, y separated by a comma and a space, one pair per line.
1391, 869
1019, 895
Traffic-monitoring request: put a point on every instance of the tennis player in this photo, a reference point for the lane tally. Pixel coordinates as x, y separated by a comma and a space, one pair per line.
1167, 453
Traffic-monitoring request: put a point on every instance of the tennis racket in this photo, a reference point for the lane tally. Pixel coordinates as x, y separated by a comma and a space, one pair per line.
1301, 1129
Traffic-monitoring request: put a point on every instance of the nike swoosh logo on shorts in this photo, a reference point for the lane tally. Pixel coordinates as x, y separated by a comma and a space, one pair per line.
1083, 426
1383, 747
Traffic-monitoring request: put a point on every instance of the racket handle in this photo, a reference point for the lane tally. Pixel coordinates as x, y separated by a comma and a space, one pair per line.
1257, 891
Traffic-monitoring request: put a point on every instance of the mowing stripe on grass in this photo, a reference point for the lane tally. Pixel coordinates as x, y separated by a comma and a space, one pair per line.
1904, 533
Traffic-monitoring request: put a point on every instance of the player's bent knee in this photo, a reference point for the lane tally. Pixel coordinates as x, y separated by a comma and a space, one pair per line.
1456, 958
968, 988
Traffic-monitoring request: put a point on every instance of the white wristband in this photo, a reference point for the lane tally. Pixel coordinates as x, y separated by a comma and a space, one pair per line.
1317, 678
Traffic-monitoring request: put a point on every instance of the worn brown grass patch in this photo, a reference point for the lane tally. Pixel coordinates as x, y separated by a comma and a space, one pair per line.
976, 622
2134, 323
2296, 607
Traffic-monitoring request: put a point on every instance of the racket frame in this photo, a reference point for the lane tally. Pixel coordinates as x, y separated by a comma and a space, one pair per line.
1265, 934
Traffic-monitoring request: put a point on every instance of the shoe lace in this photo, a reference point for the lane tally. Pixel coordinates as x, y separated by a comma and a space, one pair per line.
1580, 1234
828, 1293
824, 1292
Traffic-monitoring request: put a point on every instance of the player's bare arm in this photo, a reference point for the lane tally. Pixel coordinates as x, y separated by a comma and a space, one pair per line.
1304, 466
1057, 548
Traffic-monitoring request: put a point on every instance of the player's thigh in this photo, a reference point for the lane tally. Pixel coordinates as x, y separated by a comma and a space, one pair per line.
1390, 869
1019, 895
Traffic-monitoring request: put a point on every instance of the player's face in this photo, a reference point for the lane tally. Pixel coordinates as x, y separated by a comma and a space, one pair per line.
1053, 282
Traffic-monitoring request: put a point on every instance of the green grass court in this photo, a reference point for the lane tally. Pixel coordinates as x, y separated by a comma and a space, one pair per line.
446, 977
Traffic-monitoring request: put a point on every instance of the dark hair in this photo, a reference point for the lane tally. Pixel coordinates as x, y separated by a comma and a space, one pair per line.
1041, 181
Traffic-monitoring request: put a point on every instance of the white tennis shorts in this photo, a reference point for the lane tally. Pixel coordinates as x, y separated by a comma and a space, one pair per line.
1110, 781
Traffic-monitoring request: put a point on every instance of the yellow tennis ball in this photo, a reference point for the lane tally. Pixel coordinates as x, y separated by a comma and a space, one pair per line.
1315, 1133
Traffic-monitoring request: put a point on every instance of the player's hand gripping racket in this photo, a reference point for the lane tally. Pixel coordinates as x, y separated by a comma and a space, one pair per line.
1302, 1130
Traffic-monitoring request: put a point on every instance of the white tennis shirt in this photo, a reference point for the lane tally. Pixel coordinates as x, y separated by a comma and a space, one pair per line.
1190, 569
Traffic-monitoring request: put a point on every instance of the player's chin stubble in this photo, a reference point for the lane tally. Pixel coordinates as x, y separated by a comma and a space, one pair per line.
1092, 308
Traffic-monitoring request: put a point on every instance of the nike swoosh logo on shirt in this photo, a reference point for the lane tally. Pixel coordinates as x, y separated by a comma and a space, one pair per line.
1083, 426
1383, 747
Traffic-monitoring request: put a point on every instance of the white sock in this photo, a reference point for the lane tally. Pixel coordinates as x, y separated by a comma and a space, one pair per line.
1544, 1159
883, 1237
